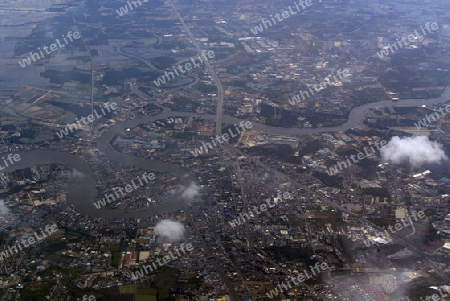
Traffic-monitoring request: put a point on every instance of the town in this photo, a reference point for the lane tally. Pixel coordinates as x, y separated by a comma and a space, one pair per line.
293, 152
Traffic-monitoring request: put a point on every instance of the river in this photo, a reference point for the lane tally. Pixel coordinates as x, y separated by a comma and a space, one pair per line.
82, 191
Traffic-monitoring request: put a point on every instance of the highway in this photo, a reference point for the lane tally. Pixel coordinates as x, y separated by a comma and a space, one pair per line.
233, 294
211, 71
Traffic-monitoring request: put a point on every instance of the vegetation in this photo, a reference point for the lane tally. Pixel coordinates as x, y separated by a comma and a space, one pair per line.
205, 88
117, 77
164, 62
60, 77
183, 104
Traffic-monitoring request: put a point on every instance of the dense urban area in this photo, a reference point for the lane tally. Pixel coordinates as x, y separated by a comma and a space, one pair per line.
224, 150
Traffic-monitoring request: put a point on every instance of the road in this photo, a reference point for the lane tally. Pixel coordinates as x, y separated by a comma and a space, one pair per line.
218, 120
92, 74
211, 71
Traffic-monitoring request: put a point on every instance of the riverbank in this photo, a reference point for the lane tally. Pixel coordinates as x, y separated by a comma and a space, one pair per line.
82, 191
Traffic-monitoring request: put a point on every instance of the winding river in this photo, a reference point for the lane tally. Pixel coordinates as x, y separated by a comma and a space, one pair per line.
81, 188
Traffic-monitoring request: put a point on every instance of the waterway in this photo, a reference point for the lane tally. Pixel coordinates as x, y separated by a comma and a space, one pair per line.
82, 192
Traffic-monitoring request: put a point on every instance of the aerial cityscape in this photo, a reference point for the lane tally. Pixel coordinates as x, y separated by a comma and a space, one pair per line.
236, 150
